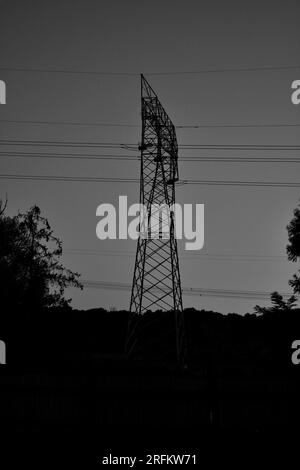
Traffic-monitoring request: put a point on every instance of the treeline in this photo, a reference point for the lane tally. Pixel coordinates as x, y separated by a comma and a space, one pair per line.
60, 335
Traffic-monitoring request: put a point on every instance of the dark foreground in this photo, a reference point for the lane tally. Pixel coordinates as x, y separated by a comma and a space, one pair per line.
109, 406
68, 393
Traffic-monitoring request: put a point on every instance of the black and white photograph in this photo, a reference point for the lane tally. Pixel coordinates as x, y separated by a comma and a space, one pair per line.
149, 232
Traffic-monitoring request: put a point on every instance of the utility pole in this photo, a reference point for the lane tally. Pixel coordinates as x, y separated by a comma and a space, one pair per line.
156, 281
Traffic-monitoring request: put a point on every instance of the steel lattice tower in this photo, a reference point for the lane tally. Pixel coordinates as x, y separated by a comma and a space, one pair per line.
156, 281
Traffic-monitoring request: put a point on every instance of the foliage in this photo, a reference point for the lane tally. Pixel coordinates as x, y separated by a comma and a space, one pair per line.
293, 252
31, 273
278, 304
293, 247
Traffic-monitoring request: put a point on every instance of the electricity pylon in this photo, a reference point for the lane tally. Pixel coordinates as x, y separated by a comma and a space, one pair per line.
156, 281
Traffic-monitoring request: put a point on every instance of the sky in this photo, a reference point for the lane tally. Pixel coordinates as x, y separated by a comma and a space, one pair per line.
107, 45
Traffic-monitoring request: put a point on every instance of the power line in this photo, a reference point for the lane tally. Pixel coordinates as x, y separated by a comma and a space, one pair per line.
228, 70
135, 74
82, 179
49, 143
238, 147
204, 126
70, 123
224, 159
223, 293
192, 158
70, 156
89, 179
191, 256
135, 147
106, 124
68, 72
244, 183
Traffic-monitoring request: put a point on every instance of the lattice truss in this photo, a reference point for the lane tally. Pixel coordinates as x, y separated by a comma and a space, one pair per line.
156, 282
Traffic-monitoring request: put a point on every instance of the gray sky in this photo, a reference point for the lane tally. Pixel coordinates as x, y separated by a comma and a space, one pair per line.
243, 223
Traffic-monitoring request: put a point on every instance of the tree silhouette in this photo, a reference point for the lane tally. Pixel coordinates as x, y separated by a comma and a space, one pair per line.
31, 274
293, 252
293, 247
278, 304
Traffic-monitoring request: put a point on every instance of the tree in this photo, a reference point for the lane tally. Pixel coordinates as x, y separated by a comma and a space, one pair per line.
293, 247
31, 274
278, 304
293, 252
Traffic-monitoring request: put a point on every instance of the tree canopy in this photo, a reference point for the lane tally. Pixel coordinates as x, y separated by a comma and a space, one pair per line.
293, 247
293, 252
278, 304
31, 274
